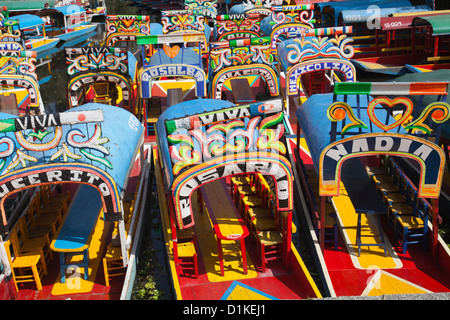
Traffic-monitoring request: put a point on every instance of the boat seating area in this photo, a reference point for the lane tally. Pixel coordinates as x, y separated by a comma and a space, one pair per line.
408, 214
313, 198
153, 113
113, 260
28, 244
255, 201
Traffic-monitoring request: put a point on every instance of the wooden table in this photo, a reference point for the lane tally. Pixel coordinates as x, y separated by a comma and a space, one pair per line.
242, 92
364, 197
226, 220
74, 234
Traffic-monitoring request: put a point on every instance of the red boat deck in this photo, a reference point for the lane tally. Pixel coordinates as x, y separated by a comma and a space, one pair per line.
416, 272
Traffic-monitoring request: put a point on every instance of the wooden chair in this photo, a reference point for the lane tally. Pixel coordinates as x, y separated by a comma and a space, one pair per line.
113, 260
113, 263
240, 181
270, 244
25, 268
23, 245
331, 228
55, 200
413, 229
185, 255
48, 215
408, 207
34, 230
40, 220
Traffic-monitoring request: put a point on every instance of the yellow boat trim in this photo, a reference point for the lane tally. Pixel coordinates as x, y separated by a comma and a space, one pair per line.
371, 257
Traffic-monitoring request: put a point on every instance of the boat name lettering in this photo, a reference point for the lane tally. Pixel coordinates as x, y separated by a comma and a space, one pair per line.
293, 32
173, 71
54, 176
380, 144
310, 66
245, 72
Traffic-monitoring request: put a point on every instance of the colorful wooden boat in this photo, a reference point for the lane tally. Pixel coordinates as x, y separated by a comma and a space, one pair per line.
215, 248
32, 34
110, 80
401, 40
88, 162
312, 64
170, 74
19, 92
377, 229
67, 23
256, 67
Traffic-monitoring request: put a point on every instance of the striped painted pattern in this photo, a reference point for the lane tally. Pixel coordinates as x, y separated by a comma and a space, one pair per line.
392, 88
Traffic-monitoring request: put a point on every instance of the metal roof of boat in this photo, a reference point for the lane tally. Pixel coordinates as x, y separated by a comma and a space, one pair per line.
361, 4
28, 20
439, 23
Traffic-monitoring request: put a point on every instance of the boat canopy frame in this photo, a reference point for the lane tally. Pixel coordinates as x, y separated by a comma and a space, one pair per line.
227, 62
19, 70
356, 124
100, 64
216, 139
172, 61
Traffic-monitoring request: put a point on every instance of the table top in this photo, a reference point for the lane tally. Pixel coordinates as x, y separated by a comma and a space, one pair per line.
362, 192
227, 222
79, 221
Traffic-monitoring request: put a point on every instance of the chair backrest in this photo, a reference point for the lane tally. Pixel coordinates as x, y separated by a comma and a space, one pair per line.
15, 239
44, 194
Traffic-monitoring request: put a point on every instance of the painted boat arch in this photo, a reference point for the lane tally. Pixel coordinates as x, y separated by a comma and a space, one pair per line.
226, 61
173, 61
91, 65
263, 70
128, 27
237, 26
78, 81
102, 149
199, 147
18, 70
368, 129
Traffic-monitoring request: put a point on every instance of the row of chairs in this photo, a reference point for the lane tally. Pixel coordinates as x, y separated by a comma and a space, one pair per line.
330, 228
255, 202
407, 213
28, 244
113, 260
